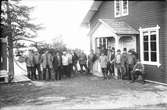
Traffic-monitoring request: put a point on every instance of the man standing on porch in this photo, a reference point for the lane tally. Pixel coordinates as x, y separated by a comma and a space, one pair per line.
124, 62
131, 61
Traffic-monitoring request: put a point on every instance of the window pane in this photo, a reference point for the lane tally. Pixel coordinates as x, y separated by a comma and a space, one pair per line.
153, 56
125, 6
146, 57
118, 7
97, 42
100, 43
104, 43
145, 38
145, 46
153, 46
153, 37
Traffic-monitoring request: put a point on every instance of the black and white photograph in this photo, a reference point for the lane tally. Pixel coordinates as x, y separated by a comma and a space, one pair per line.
83, 54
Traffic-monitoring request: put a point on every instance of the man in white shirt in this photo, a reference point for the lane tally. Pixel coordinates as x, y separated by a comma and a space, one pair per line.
65, 63
70, 63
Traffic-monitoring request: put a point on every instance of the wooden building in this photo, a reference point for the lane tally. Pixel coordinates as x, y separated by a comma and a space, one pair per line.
138, 25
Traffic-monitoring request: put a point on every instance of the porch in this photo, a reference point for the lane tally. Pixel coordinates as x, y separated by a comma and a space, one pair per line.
112, 33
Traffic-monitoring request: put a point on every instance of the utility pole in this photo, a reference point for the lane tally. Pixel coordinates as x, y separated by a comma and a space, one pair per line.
10, 44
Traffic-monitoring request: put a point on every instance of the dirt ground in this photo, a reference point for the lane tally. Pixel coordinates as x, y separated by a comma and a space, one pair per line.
82, 92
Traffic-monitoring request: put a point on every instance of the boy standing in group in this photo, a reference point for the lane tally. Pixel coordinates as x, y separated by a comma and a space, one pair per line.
103, 62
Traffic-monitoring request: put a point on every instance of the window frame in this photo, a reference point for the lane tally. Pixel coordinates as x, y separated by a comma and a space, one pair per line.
148, 30
121, 8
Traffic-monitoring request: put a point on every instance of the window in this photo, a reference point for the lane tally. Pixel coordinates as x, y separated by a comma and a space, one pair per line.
101, 43
121, 8
149, 45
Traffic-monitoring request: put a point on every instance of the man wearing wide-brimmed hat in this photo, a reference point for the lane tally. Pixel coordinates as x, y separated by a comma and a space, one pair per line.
131, 61
118, 64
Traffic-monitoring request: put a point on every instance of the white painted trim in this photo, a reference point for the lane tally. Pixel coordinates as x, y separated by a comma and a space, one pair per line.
107, 26
156, 82
157, 63
151, 63
124, 14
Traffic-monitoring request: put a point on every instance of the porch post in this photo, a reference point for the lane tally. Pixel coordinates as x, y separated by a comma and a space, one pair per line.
116, 47
106, 44
117, 43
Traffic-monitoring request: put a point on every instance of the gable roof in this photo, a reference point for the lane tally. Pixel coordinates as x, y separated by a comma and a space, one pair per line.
119, 27
94, 8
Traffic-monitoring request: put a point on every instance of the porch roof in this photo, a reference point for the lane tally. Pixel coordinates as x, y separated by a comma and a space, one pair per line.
119, 27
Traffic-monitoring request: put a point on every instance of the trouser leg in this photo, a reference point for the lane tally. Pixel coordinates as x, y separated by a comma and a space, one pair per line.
86, 67
55, 73
130, 68
34, 72
44, 73
75, 65
29, 72
70, 70
81, 67
104, 76
60, 73
104, 71
39, 71
65, 71
49, 73
133, 76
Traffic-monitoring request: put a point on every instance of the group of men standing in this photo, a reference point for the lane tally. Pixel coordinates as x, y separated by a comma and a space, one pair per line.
125, 64
54, 65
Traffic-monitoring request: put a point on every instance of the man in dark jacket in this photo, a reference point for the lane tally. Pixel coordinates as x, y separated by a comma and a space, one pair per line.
131, 61
83, 61
110, 64
75, 60
124, 65
57, 65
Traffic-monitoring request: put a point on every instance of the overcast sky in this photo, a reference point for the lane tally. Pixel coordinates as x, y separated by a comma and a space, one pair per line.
61, 17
